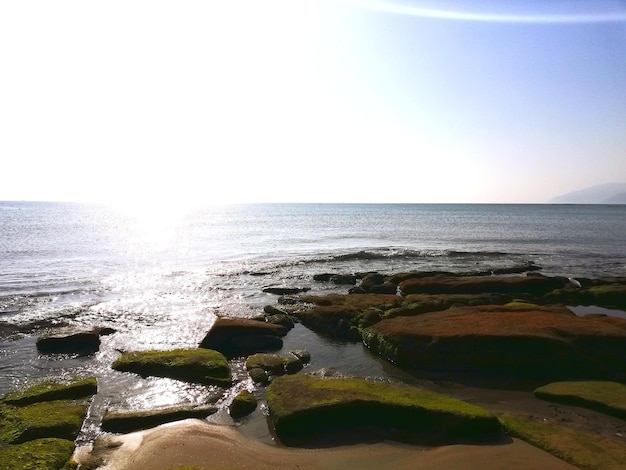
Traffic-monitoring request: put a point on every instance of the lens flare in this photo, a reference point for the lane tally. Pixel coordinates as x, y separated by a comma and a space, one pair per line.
555, 11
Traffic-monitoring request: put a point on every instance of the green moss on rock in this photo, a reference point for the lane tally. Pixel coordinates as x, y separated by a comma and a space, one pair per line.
53, 390
128, 421
61, 419
199, 365
606, 397
585, 450
302, 407
40, 454
243, 404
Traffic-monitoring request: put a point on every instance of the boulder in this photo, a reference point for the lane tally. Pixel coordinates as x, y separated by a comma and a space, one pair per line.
270, 363
203, 366
227, 335
523, 340
343, 279
303, 355
130, 421
259, 376
83, 343
243, 404
305, 408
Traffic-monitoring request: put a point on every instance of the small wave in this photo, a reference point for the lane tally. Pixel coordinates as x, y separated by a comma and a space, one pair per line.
406, 254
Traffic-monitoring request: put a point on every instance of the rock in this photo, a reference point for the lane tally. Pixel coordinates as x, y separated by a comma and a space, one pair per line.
343, 279
271, 363
303, 355
511, 285
371, 280
285, 290
304, 408
53, 390
83, 343
334, 314
259, 376
293, 364
384, 288
243, 404
281, 319
105, 331
203, 366
46, 453
605, 397
525, 341
61, 419
324, 277
221, 337
244, 345
129, 421
271, 310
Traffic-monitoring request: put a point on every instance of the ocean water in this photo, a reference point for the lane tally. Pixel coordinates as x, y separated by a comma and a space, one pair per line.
160, 276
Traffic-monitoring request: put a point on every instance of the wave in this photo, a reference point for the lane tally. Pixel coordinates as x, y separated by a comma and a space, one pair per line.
407, 254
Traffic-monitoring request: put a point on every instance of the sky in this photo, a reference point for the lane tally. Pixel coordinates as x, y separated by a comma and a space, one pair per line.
421, 101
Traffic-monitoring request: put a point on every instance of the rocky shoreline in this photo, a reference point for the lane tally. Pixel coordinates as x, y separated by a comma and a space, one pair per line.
466, 335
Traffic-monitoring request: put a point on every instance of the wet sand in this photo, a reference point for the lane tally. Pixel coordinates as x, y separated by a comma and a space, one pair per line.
198, 443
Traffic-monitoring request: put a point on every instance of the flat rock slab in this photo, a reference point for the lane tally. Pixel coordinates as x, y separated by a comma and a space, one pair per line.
241, 336
84, 343
517, 339
445, 284
606, 397
53, 390
61, 419
203, 366
47, 453
303, 407
128, 421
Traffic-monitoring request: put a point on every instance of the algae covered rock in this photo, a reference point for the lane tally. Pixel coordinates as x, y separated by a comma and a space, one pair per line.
61, 419
128, 421
528, 341
203, 366
606, 397
40, 454
243, 404
304, 407
53, 390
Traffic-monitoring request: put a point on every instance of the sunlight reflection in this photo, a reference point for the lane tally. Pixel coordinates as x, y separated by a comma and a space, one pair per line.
555, 11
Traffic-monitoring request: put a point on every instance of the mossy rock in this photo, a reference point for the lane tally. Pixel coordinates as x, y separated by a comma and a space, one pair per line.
605, 397
243, 404
546, 343
199, 365
128, 421
53, 390
271, 363
62, 419
40, 454
303, 407
585, 450
334, 314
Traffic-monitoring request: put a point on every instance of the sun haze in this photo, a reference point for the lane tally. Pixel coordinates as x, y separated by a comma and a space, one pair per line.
311, 101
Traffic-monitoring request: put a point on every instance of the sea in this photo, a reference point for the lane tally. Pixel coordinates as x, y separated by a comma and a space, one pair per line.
160, 275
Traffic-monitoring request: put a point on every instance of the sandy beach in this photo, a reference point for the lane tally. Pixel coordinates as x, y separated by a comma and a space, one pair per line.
204, 445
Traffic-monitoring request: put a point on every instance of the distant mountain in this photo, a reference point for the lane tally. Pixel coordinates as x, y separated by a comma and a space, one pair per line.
612, 193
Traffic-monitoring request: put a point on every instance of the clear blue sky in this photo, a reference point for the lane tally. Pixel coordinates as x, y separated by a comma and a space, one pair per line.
325, 101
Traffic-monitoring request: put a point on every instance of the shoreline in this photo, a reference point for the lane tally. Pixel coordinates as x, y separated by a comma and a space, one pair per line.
202, 445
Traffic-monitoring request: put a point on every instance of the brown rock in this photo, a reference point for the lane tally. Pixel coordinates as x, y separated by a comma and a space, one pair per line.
547, 342
234, 336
